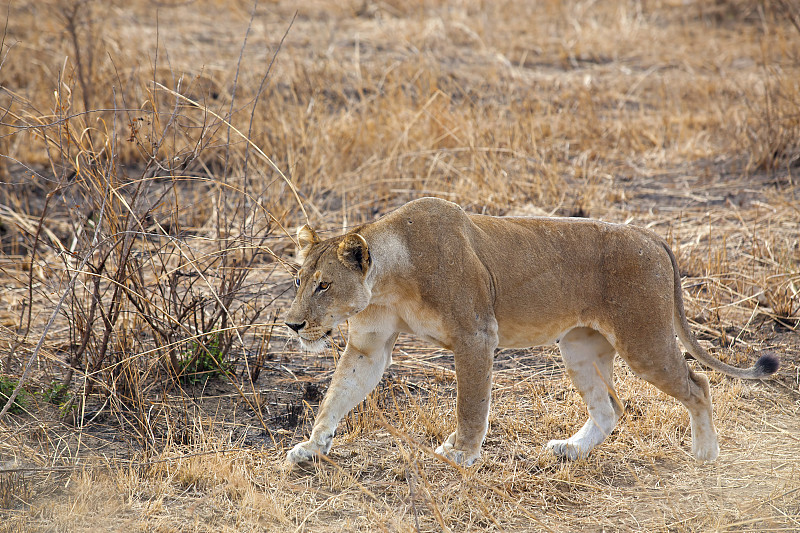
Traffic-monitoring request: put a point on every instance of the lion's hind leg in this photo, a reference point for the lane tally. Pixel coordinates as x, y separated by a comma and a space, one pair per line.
589, 359
660, 362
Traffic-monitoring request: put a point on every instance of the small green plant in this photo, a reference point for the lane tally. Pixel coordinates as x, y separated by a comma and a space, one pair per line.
7, 386
203, 361
56, 393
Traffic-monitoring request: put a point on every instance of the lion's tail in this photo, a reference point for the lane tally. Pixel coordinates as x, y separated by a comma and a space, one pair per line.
766, 365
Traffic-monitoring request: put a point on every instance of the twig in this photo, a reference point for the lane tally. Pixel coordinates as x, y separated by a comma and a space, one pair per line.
260, 91
53, 316
258, 150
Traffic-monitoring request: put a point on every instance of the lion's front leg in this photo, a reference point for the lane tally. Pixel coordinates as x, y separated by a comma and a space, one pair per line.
357, 374
473, 396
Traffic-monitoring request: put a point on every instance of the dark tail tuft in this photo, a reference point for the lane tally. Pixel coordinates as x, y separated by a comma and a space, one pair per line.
767, 364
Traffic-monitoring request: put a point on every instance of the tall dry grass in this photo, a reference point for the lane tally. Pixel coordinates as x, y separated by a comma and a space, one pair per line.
154, 158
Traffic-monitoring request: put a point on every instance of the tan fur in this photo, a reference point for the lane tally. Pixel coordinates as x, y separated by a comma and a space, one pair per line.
471, 283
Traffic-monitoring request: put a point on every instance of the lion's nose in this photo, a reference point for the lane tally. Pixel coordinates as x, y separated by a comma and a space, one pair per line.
296, 327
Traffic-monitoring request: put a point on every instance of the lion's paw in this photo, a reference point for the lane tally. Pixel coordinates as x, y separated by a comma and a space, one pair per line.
460, 457
706, 454
567, 449
305, 452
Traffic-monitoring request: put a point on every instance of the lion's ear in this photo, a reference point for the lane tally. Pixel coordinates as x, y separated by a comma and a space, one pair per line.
306, 239
353, 252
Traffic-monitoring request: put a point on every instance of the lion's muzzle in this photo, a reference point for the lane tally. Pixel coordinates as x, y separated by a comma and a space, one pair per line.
296, 327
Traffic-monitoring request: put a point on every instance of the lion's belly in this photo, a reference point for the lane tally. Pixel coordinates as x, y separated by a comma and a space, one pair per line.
527, 334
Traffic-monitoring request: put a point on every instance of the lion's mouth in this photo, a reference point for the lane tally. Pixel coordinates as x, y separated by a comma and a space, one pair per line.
316, 344
315, 338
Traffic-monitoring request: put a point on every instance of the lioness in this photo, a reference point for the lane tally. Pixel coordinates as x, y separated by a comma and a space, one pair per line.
472, 283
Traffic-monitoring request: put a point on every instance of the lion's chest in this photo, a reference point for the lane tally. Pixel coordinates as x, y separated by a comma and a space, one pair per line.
405, 312
418, 319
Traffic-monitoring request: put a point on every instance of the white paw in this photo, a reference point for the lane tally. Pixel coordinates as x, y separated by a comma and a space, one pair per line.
568, 449
460, 457
706, 454
305, 452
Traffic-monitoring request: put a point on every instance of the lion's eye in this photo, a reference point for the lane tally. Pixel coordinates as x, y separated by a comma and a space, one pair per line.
297, 282
323, 286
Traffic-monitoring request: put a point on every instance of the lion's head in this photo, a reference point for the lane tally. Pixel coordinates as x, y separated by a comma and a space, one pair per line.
330, 285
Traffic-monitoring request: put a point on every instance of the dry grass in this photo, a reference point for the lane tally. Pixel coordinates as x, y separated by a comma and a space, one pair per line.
152, 157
